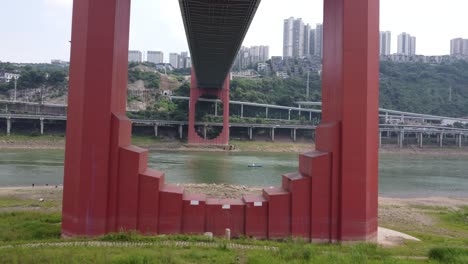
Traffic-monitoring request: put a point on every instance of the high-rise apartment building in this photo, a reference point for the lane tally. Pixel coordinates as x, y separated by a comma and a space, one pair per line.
312, 42
406, 44
385, 42
459, 46
307, 30
180, 60
155, 57
318, 50
288, 37
174, 60
250, 57
301, 40
135, 56
298, 38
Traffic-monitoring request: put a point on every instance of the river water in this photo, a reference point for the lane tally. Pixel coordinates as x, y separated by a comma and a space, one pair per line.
401, 175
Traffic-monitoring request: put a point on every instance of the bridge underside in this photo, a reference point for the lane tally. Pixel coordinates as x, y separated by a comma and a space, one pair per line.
215, 31
108, 187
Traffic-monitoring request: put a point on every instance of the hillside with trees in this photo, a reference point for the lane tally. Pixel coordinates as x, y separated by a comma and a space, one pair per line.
425, 88
416, 87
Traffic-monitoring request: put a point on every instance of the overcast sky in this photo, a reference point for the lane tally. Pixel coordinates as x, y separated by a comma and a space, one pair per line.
39, 30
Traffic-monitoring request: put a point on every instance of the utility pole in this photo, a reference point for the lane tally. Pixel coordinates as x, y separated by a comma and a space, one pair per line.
16, 83
450, 93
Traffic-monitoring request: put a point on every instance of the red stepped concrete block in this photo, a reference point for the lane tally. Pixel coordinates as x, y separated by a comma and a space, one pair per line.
256, 216
279, 212
170, 209
151, 182
299, 187
193, 213
225, 213
317, 165
133, 162
120, 137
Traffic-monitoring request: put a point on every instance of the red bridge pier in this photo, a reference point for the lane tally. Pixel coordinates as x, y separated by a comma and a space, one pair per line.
108, 187
195, 94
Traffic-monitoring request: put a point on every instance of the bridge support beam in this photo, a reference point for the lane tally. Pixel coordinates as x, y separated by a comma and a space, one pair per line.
380, 139
289, 114
401, 139
421, 139
156, 130
181, 131
441, 140
107, 187
42, 126
459, 140
195, 94
250, 130
8, 126
349, 128
242, 111
294, 132
266, 112
272, 134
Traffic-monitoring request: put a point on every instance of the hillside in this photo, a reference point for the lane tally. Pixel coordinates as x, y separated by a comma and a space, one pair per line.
425, 88
415, 87
422, 88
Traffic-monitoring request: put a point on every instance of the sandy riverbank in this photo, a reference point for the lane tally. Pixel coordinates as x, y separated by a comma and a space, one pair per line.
54, 193
58, 143
403, 215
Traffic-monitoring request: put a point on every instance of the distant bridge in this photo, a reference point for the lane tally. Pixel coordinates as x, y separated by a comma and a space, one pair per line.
387, 115
400, 135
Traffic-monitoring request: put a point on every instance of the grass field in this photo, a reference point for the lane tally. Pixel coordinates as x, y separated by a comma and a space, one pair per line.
26, 221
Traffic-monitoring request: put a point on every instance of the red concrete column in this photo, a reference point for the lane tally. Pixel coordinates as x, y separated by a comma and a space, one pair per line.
135, 160
170, 209
97, 95
193, 215
317, 166
279, 212
256, 216
298, 185
225, 213
350, 108
151, 181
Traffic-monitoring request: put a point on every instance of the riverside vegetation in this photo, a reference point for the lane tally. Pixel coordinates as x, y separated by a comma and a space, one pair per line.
30, 233
414, 87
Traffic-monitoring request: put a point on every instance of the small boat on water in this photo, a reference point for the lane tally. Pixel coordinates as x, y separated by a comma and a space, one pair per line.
254, 165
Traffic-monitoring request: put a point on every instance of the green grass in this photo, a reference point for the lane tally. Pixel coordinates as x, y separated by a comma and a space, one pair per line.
20, 227
455, 220
29, 226
145, 140
271, 146
449, 255
289, 253
26, 203
29, 137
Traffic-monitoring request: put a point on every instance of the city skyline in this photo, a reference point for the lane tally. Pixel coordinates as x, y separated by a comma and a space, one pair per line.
39, 30
406, 44
300, 40
385, 42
